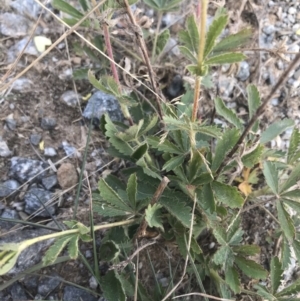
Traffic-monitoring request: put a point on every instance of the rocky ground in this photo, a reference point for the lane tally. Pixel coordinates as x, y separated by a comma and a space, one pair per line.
44, 123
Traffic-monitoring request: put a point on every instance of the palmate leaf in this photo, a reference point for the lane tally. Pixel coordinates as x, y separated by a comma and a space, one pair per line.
227, 195
293, 204
293, 151
276, 272
285, 221
162, 40
111, 197
254, 157
214, 31
112, 287
57, 247
233, 41
232, 279
228, 114
253, 99
188, 54
271, 175
166, 146
153, 216
224, 145
190, 37
66, 8
73, 247
292, 180
276, 129
224, 257
131, 190
251, 268
225, 58
294, 288
175, 204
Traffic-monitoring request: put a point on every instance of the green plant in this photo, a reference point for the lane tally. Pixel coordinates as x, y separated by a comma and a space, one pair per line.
180, 181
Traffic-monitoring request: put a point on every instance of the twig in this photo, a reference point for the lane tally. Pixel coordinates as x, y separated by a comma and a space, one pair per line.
259, 112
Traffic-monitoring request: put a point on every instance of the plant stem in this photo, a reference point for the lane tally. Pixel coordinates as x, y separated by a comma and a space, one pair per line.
202, 28
159, 18
203, 17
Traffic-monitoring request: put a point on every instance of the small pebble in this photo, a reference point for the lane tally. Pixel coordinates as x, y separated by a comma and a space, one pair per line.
48, 123
50, 152
70, 98
35, 139
67, 175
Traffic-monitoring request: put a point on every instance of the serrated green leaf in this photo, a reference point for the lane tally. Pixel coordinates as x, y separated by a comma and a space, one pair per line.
254, 157
162, 40
293, 153
228, 114
220, 235
213, 32
85, 237
131, 133
194, 166
132, 190
263, 292
227, 195
82, 228
285, 221
292, 180
276, 129
111, 196
206, 199
149, 123
246, 250
251, 268
84, 5
112, 287
293, 204
153, 216
121, 146
285, 254
109, 251
57, 247
67, 8
203, 179
253, 99
225, 58
140, 152
97, 84
189, 55
175, 204
190, 37
271, 175
194, 70
224, 257
166, 146
296, 247
276, 272
294, 288
232, 279
111, 84
236, 237
73, 247
224, 145
163, 5
233, 41
173, 163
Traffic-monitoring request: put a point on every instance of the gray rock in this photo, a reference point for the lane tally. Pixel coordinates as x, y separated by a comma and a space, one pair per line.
49, 182
70, 150
4, 150
17, 292
36, 199
11, 214
48, 284
269, 29
292, 10
35, 139
13, 25
70, 98
226, 85
22, 84
11, 124
93, 283
72, 293
244, 71
19, 47
50, 152
101, 103
176, 87
8, 187
26, 7
48, 123
31, 282
23, 169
